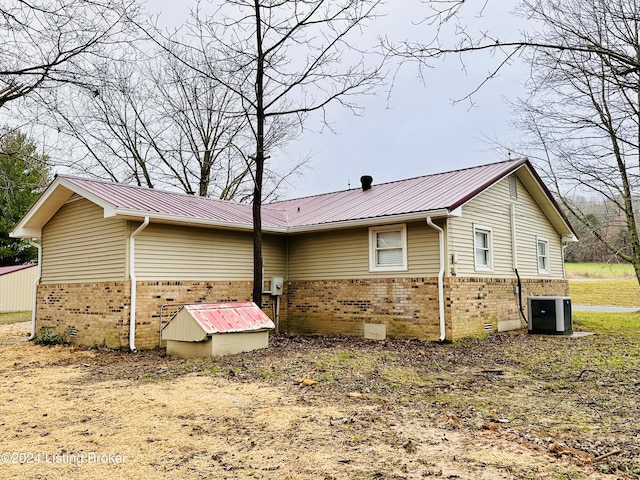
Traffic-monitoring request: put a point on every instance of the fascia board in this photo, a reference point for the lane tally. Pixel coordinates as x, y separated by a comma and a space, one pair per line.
107, 207
23, 232
543, 197
182, 220
363, 222
441, 213
25, 228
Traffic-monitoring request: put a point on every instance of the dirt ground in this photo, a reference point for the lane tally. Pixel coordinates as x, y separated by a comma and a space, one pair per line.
379, 410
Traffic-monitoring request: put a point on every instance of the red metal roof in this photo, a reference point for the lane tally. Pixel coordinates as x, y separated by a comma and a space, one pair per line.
15, 268
429, 193
152, 201
435, 195
440, 191
229, 317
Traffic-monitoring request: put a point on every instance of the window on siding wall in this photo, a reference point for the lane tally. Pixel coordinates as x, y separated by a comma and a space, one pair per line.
388, 248
543, 255
482, 247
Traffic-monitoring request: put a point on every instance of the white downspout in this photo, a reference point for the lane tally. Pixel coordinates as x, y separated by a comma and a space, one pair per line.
440, 277
35, 289
132, 278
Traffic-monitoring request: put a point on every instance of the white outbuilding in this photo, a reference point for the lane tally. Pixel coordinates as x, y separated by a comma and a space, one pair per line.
213, 329
17, 287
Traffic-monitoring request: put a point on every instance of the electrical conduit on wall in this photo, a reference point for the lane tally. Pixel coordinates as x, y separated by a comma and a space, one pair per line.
132, 278
514, 253
440, 277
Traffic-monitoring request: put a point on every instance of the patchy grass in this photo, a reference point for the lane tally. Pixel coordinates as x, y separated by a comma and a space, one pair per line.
14, 317
611, 284
624, 325
599, 270
388, 409
622, 293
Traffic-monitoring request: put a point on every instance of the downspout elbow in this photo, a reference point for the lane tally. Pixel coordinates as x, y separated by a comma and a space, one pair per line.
440, 278
132, 279
35, 289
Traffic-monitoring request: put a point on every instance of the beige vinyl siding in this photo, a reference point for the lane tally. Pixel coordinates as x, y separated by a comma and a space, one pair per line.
274, 253
531, 223
16, 290
80, 245
169, 252
341, 254
489, 209
492, 208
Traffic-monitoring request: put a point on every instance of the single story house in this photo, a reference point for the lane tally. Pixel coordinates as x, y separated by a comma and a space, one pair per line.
435, 257
17, 287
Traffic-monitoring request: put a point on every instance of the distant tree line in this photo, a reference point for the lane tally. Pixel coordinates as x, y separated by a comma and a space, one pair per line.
605, 218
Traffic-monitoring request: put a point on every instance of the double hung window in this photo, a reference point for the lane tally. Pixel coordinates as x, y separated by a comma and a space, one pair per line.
543, 255
388, 248
482, 247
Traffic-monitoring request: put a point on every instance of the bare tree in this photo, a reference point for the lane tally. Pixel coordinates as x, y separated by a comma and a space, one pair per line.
282, 60
205, 157
46, 42
149, 119
102, 130
603, 217
583, 111
583, 106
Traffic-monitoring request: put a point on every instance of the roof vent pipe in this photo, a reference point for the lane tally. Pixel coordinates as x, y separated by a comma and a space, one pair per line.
366, 181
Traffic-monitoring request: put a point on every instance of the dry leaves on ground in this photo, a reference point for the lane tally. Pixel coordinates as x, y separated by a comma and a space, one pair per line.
329, 408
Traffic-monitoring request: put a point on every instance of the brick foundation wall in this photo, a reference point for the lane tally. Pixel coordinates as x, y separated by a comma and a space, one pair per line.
476, 302
89, 313
408, 306
99, 312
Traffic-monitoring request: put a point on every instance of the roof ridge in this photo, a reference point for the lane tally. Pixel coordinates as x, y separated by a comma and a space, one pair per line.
520, 160
274, 205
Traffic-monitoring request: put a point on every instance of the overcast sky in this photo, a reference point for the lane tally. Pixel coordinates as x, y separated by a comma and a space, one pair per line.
416, 129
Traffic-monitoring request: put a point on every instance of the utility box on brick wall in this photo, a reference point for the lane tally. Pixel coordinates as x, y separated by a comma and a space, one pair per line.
214, 329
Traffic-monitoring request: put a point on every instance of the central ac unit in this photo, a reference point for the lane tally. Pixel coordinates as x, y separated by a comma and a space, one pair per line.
550, 315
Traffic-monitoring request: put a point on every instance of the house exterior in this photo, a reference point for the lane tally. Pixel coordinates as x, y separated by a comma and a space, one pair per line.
436, 257
17, 287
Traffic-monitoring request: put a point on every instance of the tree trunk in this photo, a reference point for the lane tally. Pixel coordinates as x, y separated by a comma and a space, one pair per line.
257, 190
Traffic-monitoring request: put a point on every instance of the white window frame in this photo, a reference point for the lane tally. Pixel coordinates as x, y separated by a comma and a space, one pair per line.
547, 267
373, 248
489, 231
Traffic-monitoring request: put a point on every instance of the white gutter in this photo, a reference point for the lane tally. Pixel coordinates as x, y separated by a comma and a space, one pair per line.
132, 279
440, 277
35, 289
361, 222
391, 219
